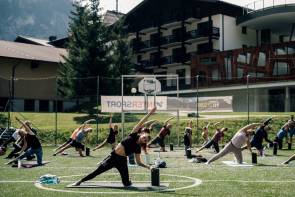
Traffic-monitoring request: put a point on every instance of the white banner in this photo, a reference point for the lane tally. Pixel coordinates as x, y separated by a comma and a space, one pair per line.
131, 103
216, 104
206, 104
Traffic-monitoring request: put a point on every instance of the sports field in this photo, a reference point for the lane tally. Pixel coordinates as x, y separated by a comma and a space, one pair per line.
268, 178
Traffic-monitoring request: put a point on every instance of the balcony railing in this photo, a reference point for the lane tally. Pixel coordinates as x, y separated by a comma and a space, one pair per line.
194, 34
149, 64
265, 4
174, 38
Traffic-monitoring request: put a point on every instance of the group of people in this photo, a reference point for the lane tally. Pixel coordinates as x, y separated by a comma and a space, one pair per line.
26, 143
248, 137
139, 139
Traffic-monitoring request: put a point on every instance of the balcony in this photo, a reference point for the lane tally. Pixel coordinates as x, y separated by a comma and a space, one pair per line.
197, 35
164, 61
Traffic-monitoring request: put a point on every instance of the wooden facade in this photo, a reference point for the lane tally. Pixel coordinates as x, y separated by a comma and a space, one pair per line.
273, 56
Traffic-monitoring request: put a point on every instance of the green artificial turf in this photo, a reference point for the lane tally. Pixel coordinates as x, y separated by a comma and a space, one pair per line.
268, 178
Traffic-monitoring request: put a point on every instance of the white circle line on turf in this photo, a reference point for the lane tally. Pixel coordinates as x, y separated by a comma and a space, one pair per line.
249, 181
194, 180
8, 181
243, 181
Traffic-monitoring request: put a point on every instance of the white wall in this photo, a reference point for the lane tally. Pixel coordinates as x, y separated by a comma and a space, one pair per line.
233, 37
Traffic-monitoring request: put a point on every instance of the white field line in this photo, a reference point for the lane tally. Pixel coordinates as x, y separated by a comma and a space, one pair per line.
197, 166
182, 181
249, 181
11, 181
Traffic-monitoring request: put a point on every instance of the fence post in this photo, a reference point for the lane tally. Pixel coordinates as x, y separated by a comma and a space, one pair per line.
248, 104
197, 108
9, 105
97, 110
55, 109
177, 86
122, 108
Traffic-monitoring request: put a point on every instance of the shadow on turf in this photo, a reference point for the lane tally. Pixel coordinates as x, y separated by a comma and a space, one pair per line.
76, 156
267, 165
134, 188
105, 120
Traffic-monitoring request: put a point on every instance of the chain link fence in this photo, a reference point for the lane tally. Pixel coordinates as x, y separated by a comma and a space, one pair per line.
55, 111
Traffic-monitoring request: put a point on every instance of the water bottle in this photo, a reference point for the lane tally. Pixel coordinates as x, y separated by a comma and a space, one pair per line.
19, 163
55, 180
49, 179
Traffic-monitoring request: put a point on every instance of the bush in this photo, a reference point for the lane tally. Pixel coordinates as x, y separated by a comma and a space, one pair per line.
3, 120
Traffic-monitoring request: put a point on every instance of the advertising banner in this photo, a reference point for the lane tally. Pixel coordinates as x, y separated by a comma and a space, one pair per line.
131, 103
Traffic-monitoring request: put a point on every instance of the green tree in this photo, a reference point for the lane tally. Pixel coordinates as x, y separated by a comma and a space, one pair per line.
121, 56
88, 51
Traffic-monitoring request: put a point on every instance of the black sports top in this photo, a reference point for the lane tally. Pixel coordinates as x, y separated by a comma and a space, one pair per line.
33, 141
260, 134
112, 136
130, 144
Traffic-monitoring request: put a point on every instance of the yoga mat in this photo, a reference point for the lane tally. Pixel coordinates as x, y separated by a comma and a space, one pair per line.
234, 164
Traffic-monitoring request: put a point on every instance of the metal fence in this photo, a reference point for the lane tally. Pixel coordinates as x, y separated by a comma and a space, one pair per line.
56, 115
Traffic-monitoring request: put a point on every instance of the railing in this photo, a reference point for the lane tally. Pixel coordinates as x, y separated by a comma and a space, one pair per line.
194, 34
149, 64
202, 33
265, 4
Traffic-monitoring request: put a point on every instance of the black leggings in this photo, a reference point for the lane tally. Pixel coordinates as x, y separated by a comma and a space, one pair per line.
280, 142
14, 151
11, 139
215, 144
112, 161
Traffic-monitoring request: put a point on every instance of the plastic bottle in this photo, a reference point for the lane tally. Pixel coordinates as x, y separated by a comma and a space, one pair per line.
19, 163
49, 179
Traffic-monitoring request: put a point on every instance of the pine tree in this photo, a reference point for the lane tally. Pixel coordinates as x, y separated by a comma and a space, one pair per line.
121, 52
88, 51
121, 56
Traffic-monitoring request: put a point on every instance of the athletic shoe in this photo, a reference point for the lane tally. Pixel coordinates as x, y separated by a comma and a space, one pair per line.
76, 183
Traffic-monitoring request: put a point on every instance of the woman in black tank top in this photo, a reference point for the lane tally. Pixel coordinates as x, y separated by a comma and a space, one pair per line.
118, 157
111, 139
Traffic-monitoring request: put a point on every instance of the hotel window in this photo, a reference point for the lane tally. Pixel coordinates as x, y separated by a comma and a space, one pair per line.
244, 30
43, 105
265, 36
29, 105
34, 64
3, 103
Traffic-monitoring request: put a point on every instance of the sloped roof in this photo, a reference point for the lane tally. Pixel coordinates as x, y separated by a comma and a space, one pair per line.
31, 52
152, 13
32, 40
110, 17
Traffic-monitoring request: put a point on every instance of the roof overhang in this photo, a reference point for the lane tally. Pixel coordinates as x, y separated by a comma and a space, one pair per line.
279, 19
152, 13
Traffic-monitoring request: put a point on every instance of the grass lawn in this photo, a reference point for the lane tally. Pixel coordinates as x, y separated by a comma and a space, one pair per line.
266, 179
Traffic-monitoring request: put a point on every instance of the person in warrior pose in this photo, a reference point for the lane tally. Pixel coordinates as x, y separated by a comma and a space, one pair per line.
111, 139
118, 157
235, 145
160, 139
